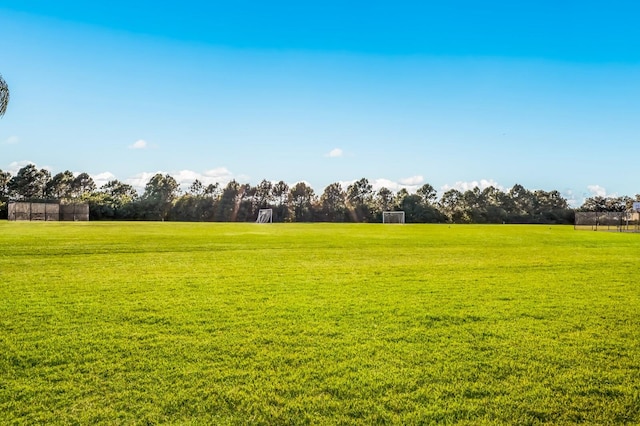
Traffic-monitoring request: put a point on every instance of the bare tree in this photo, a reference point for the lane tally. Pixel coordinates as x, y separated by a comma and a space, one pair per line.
4, 96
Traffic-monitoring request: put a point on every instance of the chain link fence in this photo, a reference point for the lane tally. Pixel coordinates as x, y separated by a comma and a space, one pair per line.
20, 211
608, 221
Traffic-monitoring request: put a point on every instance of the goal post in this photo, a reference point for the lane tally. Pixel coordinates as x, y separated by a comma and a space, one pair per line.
265, 216
393, 217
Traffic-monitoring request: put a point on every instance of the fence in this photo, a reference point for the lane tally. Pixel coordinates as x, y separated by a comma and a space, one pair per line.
608, 221
74, 212
47, 211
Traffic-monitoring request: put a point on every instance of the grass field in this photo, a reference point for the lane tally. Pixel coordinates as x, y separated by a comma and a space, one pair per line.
143, 323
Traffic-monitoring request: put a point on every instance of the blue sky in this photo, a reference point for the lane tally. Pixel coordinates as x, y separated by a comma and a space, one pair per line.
455, 94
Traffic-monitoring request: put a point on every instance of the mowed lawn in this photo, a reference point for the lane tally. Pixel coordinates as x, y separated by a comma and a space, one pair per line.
143, 323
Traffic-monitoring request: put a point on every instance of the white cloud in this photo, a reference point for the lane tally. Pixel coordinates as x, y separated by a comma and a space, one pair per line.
334, 153
139, 180
597, 191
413, 180
101, 179
12, 140
139, 144
410, 184
218, 175
571, 198
466, 186
185, 178
17, 165
386, 183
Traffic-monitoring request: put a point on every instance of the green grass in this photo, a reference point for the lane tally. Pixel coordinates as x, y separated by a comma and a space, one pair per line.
143, 323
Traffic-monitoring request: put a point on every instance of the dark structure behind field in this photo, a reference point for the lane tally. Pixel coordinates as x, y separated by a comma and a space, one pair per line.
48, 211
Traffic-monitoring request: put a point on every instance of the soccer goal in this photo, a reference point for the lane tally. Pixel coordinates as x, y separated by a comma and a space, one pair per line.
393, 217
265, 216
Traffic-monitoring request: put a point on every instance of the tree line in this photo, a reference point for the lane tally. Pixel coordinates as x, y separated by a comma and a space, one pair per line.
162, 199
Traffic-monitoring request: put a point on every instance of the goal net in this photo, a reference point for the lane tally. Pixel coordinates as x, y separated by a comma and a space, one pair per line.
393, 217
265, 216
